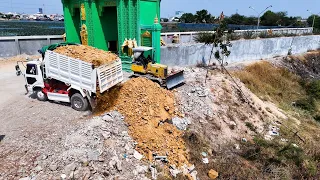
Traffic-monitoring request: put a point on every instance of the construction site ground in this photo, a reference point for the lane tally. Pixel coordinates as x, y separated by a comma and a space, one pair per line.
204, 127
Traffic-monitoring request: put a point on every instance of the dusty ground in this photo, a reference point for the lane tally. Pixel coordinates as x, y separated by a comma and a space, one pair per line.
44, 140
28, 124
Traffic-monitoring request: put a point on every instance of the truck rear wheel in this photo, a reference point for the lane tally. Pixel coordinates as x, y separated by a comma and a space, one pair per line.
40, 95
79, 103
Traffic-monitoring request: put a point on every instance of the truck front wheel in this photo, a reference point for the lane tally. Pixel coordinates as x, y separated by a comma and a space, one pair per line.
79, 103
40, 95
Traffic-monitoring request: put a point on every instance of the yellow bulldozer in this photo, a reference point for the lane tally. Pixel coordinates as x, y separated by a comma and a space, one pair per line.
146, 67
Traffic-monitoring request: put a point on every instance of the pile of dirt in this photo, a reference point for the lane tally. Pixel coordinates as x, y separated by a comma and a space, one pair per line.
147, 108
87, 53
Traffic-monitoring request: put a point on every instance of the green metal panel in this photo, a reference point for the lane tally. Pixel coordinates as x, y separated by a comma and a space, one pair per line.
149, 10
126, 63
127, 20
109, 24
72, 20
133, 17
97, 33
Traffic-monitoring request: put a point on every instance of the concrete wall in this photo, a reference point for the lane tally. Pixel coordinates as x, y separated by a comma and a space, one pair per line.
188, 37
15, 45
12, 46
241, 50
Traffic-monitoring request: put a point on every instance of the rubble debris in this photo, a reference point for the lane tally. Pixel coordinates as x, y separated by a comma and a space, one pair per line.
205, 160
222, 113
144, 105
154, 172
237, 146
87, 53
137, 155
181, 123
213, 174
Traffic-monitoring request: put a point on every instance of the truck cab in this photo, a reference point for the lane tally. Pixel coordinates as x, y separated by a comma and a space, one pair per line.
34, 76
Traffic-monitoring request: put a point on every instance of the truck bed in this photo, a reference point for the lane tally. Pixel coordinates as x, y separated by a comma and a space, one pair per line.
80, 74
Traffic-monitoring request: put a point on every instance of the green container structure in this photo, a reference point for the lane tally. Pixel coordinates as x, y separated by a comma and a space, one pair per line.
105, 24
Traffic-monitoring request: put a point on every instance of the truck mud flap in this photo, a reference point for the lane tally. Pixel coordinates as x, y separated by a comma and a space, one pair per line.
174, 80
92, 101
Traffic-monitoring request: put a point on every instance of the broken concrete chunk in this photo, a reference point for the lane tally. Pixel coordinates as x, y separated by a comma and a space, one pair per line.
38, 168
118, 165
181, 123
137, 155
93, 155
70, 168
107, 118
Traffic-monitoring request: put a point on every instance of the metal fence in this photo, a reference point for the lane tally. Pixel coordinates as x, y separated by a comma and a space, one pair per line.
15, 45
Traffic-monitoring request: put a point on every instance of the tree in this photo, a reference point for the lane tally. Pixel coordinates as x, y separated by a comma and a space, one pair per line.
236, 19
188, 18
250, 20
270, 18
316, 21
203, 16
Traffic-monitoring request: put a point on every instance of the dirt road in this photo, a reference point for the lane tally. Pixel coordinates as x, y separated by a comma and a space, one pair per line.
28, 128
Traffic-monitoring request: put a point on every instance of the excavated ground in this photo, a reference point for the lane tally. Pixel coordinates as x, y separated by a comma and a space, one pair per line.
87, 53
147, 107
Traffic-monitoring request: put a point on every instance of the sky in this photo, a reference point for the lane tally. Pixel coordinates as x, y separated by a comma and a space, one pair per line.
168, 7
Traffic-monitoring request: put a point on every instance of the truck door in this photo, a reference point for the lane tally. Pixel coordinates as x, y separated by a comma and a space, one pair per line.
33, 76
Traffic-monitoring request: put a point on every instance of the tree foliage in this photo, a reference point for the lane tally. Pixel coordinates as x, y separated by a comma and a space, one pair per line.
316, 21
188, 18
269, 18
219, 39
203, 16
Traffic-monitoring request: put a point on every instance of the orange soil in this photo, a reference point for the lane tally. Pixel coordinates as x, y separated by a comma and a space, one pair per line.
87, 53
146, 106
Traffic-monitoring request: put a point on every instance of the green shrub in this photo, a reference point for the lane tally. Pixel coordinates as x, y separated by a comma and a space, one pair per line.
306, 104
248, 35
233, 37
263, 35
313, 89
251, 127
205, 37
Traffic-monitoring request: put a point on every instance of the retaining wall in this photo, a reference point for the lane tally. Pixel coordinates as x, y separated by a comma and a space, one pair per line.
15, 45
241, 50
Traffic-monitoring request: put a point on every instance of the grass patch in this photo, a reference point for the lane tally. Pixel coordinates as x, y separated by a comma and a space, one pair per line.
279, 84
251, 127
296, 153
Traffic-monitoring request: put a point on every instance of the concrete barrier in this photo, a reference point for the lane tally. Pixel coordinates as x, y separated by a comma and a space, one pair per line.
241, 50
188, 37
15, 45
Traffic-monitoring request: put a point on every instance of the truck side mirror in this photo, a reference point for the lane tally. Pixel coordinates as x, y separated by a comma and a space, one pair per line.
18, 71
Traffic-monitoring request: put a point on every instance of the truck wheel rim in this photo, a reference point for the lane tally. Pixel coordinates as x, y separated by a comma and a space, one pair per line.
40, 94
77, 103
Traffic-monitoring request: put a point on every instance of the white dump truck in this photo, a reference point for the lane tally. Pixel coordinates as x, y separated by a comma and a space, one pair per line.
65, 79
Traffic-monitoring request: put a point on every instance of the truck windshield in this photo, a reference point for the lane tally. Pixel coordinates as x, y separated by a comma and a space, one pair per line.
31, 69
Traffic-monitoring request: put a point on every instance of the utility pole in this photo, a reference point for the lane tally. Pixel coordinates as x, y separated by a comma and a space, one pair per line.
314, 17
259, 14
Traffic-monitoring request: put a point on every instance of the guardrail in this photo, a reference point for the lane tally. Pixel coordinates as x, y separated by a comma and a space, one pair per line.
15, 45
188, 37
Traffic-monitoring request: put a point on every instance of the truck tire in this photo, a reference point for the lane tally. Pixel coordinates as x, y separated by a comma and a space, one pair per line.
40, 95
79, 103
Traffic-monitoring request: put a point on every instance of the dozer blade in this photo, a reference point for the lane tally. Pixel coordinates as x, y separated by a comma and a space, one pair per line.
174, 80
